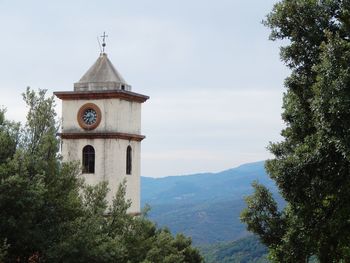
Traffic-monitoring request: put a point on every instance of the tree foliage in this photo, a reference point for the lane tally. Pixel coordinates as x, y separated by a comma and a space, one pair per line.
246, 250
312, 164
48, 214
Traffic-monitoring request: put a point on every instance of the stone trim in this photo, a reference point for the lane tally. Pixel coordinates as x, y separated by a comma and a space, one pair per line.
98, 95
134, 214
101, 135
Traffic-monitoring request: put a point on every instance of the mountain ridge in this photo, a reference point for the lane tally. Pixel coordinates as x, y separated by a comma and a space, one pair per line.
241, 166
231, 183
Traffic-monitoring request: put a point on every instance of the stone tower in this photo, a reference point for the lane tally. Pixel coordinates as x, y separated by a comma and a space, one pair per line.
101, 128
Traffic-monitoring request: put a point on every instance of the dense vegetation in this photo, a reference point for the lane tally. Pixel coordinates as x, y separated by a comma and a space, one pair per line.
245, 250
48, 214
312, 164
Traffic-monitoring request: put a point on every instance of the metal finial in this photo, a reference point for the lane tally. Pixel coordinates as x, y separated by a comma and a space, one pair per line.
104, 41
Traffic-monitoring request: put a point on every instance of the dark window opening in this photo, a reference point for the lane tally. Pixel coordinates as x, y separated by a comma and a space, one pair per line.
88, 159
128, 160
123, 87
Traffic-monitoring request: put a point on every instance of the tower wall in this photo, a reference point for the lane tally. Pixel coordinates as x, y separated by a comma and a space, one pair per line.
117, 115
110, 165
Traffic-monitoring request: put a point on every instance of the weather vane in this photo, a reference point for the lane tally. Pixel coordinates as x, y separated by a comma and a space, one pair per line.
104, 41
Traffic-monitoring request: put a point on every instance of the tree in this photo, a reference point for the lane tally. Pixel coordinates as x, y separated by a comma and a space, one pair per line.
48, 214
3, 251
311, 165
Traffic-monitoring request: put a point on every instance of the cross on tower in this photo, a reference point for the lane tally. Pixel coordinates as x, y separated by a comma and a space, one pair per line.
104, 41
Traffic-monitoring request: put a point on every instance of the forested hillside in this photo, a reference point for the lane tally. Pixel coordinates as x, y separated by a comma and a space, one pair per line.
246, 250
204, 206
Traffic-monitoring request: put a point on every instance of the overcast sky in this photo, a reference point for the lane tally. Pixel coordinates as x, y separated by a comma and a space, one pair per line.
214, 78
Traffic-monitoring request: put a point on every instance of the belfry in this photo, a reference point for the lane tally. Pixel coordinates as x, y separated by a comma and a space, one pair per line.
101, 128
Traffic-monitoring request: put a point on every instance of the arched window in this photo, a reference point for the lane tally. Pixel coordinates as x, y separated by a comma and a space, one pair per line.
88, 159
128, 160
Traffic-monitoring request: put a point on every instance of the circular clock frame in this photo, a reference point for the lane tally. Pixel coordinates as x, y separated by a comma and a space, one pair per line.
80, 116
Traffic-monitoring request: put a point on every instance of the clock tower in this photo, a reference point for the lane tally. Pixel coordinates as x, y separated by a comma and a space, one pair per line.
101, 128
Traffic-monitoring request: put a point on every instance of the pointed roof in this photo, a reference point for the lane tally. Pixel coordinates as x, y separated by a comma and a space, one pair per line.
102, 75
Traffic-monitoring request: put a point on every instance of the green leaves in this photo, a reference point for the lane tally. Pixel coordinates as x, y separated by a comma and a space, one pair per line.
39, 136
311, 165
262, 216
9, 137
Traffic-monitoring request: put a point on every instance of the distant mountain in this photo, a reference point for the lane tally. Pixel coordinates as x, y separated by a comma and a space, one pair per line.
204, 206
245, 250
228, 184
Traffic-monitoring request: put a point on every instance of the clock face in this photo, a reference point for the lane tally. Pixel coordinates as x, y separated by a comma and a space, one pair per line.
89, 116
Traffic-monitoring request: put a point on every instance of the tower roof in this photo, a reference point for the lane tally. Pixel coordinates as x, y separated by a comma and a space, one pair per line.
102, 75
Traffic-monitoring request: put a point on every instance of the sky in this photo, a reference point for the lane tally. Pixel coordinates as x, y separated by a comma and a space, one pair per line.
214, 79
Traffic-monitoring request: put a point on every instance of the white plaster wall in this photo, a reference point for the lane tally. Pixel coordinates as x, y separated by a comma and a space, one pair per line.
110, 165
117, 115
